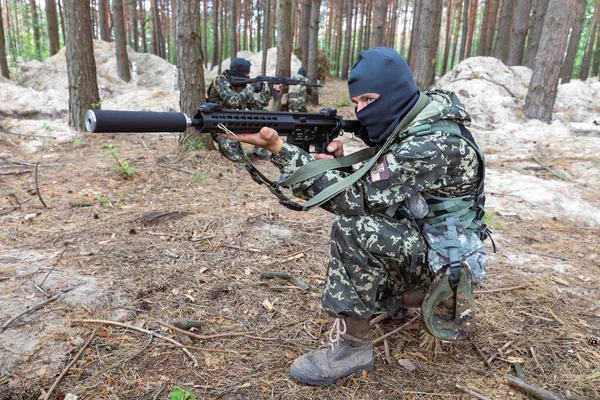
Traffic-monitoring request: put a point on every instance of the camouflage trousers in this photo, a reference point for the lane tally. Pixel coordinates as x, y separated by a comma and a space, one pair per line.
373, 260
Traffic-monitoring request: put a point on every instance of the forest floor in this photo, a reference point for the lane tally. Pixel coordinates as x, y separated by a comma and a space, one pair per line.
187, 236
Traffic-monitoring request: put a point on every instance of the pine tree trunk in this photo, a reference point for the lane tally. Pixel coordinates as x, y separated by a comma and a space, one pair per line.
519, 33
378, 23
484, 36
313, 52
450, 10
347, 40
247, 17
503, 38
215, 27
465, 31
103, 20
304, 32
153, 29
191, 73
62, 20
535, 32
367, 32
493, 23
596, 64
584, 73
233, 32
404, 26
427, 43
284, 46
266, 37
36, 29
541, 95
3, 63
471, 30
52, 26
121, 41
454, 57
133, 15
81, 66
415, 33
574, 38
258, 25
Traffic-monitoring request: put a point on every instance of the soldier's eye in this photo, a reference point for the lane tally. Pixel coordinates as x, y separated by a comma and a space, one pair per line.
370, 100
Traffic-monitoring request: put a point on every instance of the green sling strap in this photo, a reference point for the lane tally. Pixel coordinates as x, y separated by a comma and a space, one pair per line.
318, 167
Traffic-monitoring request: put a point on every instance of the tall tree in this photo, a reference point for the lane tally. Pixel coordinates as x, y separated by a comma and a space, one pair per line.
284, 44
81, 65
191, 73
347, 40
266, 37
121, 41
216, 57
465, 31
313, 51
52, 27
304, 33
485, 36
589, 47
427, 43
233, 34
516, 46
378, 23
503, 37
450, 10
415, 33
104, 19
204, 32
3, 63
62, 20
596, 63
535, 32
36, 29
133, 23
567, 68
541, 95
143, 24
472, 23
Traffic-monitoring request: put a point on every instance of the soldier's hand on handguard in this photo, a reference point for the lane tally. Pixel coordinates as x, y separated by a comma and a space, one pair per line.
267, 138
257, 86
335, 148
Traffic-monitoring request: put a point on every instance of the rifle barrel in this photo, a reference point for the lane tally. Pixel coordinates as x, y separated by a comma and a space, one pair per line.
108, 121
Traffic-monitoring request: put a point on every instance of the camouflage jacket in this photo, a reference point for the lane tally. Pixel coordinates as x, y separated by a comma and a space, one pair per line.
299, 91
439, 163
236, 97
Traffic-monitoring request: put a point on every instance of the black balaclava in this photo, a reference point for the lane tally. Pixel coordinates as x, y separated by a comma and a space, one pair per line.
302, 71
239, 67
383, 71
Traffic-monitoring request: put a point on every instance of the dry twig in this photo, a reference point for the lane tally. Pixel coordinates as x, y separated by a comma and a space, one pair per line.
68, 367
501, 289
135, 328
379, 339
471, 392
37, 188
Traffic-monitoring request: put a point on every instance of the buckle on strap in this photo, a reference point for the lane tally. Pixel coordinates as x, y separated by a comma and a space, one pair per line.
292, 205
252, 171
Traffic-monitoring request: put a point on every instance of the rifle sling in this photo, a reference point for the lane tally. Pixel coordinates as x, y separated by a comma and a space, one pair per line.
318, 167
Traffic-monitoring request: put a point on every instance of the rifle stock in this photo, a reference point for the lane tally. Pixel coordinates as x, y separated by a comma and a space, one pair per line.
302, 129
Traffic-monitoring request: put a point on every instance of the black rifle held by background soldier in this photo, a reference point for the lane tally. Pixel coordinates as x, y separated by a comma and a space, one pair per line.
271, 81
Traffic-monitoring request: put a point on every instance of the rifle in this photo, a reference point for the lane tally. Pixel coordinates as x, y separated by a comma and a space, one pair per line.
271, 81
302, 129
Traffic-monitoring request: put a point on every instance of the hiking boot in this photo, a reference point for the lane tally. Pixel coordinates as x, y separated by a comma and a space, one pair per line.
226, 147
261, 153
349, 350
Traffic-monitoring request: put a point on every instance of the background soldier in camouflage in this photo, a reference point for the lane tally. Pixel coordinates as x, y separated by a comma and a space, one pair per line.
297, 93
238, 97
379, 256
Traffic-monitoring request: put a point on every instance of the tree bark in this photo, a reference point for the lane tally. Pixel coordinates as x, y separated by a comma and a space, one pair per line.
535, 32
472, 25
415, 33
191, 73
465, 31
378, 22
36, 29
3, 63
52, 26
427, 43
266, 37
216, 58
574, 38
121, 42
81, 65
456, 30
313, 52
596, 62
204, 32
404, 25
233, 31
347, 40
133, 22
486, 21
519, 33
284, 46
503, 38
450, 10
541, 95
589, 48
103, 19
304, 32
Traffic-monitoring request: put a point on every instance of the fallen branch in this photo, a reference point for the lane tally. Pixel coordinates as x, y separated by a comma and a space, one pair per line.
550, 256
135, 328
68, 367
32, 309
217, 336
553, 172
379, 339
471, 392
286, 275
483, 357
378, 319
37, 188
535, 391
501, 289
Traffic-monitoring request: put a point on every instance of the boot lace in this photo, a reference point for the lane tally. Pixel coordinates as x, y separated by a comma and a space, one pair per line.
335, 334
